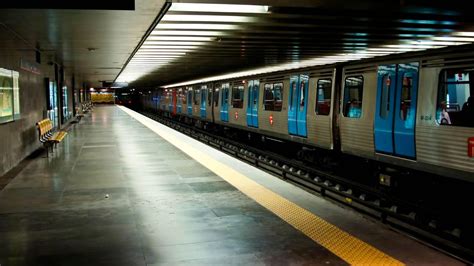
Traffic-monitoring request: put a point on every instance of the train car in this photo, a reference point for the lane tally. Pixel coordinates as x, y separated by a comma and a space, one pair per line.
409, 111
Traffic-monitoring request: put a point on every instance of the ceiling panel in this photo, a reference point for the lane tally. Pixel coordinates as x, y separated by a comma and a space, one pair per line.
65, 36
195, 39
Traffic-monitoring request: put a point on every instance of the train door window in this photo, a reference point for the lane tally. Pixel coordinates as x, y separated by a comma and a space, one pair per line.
278, 96
238, 96
196, 96
183, 97
323, 97
292, 95
190, 95
225, 94
209, 97
302, 95
353, 92
203, 95
405, 99
385, 96
215, 95
456, 98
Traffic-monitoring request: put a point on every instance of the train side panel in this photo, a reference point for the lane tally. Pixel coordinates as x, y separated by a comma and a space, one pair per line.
320, 126
272, 122
440, 145
238, 105
357, 133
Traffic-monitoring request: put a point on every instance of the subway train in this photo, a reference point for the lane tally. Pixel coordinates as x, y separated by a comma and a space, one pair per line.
403, 112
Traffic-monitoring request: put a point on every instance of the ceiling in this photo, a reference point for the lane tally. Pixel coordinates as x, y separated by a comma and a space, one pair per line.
195, 41
102, 45
65, 36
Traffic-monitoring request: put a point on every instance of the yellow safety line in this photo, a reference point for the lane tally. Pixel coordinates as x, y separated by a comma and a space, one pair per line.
339, 242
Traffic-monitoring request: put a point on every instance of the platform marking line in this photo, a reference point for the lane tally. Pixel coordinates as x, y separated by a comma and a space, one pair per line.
347, 247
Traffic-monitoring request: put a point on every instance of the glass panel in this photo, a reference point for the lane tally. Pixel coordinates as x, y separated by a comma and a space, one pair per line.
209, 97
197, 99
216, 96
278, 96
405, 100
65, 104
16, 95
237, 96
323, 97
268, 97
353, 92
302, 95
292, 95
455, 98
6, 96
385, 96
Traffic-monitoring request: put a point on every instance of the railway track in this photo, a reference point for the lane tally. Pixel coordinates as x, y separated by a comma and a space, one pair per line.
405, 217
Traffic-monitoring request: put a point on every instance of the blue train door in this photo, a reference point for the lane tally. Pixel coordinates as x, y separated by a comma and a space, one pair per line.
225, 103
405, 110
252, 104
190, 101
298, 105
180, 100
394, 126
292, 104
386, 79
203, 101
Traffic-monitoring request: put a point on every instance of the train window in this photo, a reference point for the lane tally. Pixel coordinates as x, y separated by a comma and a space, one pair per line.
196, 97
179, 99
268, 98
323, 97
238, 96
385, 96
190, 95
215, 95
209, 97
405, 100
272, 100
456, 98
353, 92
302, 95
225, 94
183, 97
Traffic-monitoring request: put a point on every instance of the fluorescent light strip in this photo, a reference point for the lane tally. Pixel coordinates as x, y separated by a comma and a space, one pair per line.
453, 39
186, 33
159, 53
410, 46
179, 38
162, 51
171, 43
167, 47
196, 26
163, 47
223, 8
436, 43
465, 33
207, 18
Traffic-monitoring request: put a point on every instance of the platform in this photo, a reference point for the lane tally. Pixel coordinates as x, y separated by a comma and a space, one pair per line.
125, 190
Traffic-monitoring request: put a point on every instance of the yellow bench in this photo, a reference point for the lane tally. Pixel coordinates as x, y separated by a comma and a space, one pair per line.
47, 135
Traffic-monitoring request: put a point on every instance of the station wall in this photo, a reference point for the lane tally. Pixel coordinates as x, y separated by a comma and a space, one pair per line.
19, 138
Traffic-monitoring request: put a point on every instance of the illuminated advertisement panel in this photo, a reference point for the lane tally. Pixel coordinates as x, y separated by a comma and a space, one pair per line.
9, 95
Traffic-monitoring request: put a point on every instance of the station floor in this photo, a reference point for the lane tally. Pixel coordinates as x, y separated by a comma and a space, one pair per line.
125, 190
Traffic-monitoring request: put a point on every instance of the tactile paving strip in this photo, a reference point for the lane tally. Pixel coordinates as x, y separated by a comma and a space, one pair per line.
339, 242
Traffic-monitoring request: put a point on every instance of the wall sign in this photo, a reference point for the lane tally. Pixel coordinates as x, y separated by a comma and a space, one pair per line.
29, 66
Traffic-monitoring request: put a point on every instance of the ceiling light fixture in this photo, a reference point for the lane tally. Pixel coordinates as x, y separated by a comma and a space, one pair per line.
221, 8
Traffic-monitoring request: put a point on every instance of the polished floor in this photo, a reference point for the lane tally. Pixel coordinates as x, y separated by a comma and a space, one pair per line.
116, 193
